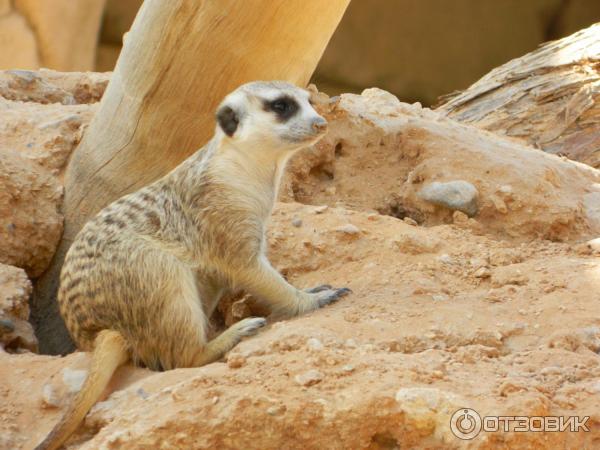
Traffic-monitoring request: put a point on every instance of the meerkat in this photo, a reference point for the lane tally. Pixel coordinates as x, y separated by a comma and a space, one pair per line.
143, 277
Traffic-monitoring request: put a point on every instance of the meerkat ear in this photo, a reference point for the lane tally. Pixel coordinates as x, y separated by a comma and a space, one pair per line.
228, 120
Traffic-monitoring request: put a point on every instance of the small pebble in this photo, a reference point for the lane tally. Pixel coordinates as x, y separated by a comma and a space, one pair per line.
348, 229
594, 244
410, 221
457, 195
482, 272
499, 204
314, 344
142, 393
460, 218
309, 378
445, 258
235, 361
276, 410
74, 379
297, 222
476, 263
350, 343
49, 397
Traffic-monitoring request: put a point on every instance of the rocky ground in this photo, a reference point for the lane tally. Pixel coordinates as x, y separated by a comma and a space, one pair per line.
473, 260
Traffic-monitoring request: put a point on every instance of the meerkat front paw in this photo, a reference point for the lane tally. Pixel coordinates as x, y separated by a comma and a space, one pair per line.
325, 294
249, 326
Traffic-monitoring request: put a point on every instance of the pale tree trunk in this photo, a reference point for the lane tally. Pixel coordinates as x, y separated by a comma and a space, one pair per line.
549, 98
179, 60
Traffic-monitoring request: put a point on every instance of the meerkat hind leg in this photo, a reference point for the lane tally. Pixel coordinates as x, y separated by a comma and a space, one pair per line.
216, 349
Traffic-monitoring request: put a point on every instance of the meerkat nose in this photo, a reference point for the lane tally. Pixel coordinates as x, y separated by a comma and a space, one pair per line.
319, 124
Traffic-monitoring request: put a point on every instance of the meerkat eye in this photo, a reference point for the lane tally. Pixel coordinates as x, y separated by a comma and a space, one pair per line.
284, 107
281, 106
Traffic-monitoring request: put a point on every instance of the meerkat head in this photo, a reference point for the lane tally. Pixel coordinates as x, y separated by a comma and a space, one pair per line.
263, 115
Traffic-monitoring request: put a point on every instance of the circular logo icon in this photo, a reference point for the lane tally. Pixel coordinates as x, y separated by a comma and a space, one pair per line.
465, 423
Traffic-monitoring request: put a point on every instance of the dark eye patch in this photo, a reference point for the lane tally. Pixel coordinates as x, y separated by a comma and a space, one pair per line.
284, 107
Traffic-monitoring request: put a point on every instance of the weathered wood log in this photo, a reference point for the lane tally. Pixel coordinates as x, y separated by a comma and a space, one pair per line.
179, 60
549, 98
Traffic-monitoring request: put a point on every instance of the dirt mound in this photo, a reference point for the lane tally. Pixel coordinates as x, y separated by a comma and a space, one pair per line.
460, 321
381, 154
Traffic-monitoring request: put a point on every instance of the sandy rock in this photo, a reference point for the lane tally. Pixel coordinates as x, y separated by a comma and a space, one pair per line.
380, 153
428, 409
400, 362
45, 134
414, 244
43, 117
47, 86
456, 195
502, 276
30, 223
591, 205
16, 332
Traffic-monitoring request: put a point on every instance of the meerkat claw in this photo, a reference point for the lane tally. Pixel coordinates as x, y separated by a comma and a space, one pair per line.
332, 295
251, 325
314, 290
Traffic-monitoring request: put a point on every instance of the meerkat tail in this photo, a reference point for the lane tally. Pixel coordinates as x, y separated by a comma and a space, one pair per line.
110, 352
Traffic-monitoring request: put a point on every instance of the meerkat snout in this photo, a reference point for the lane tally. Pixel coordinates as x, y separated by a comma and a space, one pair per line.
319, 125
